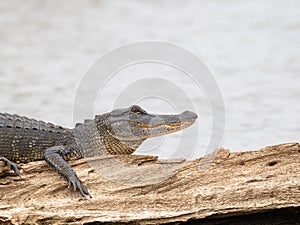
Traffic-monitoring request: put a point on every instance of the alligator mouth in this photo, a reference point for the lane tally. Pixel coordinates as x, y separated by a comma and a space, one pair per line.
165, 124
178, 125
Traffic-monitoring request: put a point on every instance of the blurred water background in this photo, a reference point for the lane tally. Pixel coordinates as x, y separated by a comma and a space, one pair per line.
251, 47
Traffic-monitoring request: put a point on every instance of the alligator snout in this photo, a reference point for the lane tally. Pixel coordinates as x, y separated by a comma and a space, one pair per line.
188, 115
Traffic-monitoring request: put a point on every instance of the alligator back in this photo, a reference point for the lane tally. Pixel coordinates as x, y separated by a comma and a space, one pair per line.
24, 139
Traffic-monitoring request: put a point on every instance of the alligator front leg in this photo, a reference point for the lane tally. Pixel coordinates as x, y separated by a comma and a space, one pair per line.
11, 165
53, 156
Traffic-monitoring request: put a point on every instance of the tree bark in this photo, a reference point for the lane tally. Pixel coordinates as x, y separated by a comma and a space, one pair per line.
253, 187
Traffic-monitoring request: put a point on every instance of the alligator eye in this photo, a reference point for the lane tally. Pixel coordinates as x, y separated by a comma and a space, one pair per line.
137, 109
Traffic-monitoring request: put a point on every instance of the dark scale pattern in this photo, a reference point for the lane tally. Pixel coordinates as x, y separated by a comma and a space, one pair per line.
88, 140
111, 145
24, 140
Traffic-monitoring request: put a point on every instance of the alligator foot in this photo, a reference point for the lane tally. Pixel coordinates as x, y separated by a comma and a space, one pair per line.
12, 166
76, 183
53, 156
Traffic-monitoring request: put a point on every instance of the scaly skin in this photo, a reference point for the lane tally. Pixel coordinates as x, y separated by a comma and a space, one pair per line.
121, 131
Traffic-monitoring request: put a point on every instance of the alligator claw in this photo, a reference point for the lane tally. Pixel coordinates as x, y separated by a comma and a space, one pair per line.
77, 184
12, 166
15, 167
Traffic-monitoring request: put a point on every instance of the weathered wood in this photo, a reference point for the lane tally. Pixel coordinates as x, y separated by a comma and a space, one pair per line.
145, 190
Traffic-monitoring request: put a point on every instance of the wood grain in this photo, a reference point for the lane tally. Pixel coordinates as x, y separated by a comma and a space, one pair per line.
139, 189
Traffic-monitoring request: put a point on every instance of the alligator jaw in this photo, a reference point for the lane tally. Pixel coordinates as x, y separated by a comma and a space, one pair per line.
164, 124
140, 126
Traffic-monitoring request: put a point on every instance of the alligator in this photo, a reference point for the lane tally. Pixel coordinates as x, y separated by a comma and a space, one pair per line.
120, 131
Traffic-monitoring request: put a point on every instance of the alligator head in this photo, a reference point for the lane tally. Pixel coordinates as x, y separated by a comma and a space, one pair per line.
125, 129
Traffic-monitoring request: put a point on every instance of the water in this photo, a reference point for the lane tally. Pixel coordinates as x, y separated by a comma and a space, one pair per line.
252, 48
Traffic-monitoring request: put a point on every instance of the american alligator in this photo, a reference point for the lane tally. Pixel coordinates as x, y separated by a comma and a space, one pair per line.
120, 131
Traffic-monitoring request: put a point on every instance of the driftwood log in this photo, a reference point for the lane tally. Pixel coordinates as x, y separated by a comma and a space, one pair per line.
253, 187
